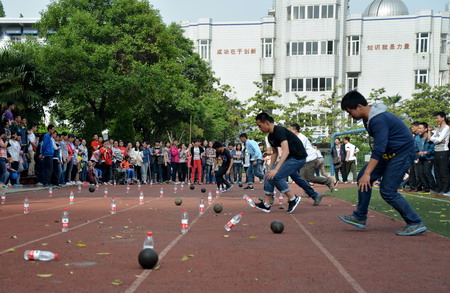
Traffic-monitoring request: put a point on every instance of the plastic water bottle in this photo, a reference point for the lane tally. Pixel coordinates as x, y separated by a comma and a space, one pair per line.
280, 199
139, 186
201, 206
161, 192
233, 222
217, 192
182, 186
274, 193
106, 192
128, 188
71, 198
115, 182
175, 188
209, 197
26, 205
113, 206
148, 242
79, 188
65, 221
3, 197
249, 200
141, 198
184, 222
39, 255
50, 192
96, 186
221, 189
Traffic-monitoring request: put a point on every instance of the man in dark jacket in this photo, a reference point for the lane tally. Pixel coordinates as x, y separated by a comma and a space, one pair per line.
47, 154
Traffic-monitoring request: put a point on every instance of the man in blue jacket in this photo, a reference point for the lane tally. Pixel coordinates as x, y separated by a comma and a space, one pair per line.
392, 154
256, 160
47, 154
424, 163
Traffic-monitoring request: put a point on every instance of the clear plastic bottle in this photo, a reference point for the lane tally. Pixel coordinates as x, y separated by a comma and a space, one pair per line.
148, 242
175, 189
141, 198
161, 192
209, 197
39, 255
184, 222
105, 194
113, 206
280, 199
201, 206
79, 188
139, 186
50, 192
26, 205
274, 193
71, 198
128, 188
249, 200
217, 192
3, 197
233, 221
65, 221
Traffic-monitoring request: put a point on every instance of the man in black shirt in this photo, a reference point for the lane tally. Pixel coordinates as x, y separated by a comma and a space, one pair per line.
223, 165
292, 159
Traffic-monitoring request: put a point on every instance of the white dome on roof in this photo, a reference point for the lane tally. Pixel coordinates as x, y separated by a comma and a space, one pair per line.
386, 8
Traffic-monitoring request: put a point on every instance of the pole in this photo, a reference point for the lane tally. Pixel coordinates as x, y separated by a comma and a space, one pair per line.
190, 140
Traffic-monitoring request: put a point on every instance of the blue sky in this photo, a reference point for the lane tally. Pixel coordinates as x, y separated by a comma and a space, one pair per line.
177, 10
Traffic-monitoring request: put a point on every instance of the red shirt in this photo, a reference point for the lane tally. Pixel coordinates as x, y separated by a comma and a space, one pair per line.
106, 156
3, 149
95, 145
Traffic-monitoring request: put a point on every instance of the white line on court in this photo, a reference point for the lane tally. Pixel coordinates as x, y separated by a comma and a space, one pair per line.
429, 198
135, 285
76, 227
331, 258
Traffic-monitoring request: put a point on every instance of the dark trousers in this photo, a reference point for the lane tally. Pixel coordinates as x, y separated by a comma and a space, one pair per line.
106, 169
48, 169
55, 174
413, 182
174, 171
137, 171
344, 172
182, 171
220, 177
425, 176
441, 171
336, 172
158, 173
69, 167
166, 172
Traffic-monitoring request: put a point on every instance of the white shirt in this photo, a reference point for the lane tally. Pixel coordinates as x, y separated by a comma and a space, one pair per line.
310, 151
441, 138
31, 139
14, 149
196, 153
350, 148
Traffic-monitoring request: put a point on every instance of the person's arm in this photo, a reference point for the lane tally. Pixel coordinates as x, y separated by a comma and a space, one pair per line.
441, 138
285, 149
273, 157
231, 165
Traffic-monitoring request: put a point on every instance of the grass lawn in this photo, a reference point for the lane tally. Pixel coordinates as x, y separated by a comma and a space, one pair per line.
435, 212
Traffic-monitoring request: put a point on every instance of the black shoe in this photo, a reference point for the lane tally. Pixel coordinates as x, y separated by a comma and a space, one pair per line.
249, 187
293, 204
318, 199
262, 207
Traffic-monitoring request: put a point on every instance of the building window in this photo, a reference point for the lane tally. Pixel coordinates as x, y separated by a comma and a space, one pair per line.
311, 12
327, 47
422, 41
267, 48
421, 76
204, 49
353, 43
310, 48
309, 84
352, 81
327, 11
444, 43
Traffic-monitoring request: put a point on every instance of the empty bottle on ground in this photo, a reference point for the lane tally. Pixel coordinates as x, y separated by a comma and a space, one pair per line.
39, 255
141, 198
161, 192
65, 221
184, 222
148, 242
209, 198
233, 221
113, 205
249, 200
3, 197
50, 192
71, 198
280, 199
26, 205
201, 206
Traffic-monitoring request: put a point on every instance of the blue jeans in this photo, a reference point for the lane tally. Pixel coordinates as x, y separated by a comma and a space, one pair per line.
392, 172
3, 170
290, 168
130, 173
210, 178
83, 175
237, 167
253, 171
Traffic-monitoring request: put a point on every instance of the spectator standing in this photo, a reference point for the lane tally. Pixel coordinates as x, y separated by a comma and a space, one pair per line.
196, 162
338, 155
350, 158
182, 165
256, 160
31, 149
146, 159
95, 144
136, 159
15, 151
441, 140
8, 114
158, 155
56, 159
83, 153
424, 163
238, 155
47, 155
174, 160
413, 180
4, 142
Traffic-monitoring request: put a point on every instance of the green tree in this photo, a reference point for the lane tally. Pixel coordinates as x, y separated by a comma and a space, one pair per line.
296, 113
2, 10
115, 64
334, 119
264, 100
427, 101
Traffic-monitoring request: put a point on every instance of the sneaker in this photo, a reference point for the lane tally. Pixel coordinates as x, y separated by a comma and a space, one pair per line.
262, 207
249, 187
412, 229
352, 220
433, 192
293, 204
332, 182
226, 189
18, 185
318, 199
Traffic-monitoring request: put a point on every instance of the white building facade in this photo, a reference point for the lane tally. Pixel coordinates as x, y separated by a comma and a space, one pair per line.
306, 47
17, 30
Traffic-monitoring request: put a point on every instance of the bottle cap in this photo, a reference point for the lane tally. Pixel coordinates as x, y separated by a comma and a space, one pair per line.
184, 210
56, 255
149, 233
65, 209
26, 197
241, 214
113, 197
